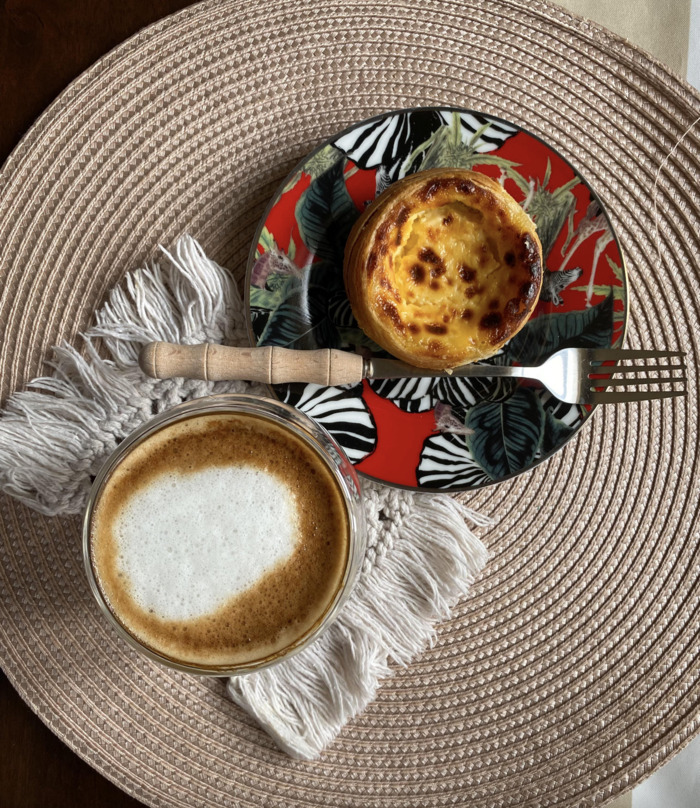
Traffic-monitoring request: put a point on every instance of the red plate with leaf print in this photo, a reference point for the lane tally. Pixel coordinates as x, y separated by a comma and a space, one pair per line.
426, 433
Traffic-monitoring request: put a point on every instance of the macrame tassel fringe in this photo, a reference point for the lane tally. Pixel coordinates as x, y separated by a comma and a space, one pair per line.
304, 702
55, 435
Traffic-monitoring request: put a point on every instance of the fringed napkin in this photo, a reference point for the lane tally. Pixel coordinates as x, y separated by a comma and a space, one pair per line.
421, 556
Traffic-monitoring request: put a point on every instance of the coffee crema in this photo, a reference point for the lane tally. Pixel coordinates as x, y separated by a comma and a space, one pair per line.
220, 540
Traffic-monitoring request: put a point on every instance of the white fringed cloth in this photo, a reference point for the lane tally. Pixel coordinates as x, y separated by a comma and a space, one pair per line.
421, 556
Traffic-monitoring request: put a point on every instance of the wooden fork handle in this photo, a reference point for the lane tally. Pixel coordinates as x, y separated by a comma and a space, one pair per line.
272, 365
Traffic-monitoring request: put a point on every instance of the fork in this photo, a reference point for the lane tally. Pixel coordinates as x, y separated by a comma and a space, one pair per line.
579, 375
573, 375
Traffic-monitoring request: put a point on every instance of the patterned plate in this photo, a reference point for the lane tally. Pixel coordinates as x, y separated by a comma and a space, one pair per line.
447, 434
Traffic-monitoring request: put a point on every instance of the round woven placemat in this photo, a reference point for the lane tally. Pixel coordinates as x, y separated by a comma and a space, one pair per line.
572, 670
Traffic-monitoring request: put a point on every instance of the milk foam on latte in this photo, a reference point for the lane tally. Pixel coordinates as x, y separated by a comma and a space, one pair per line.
184, 554
219, 540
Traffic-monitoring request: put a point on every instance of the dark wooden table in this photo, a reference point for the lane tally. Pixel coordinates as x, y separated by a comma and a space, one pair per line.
44, 45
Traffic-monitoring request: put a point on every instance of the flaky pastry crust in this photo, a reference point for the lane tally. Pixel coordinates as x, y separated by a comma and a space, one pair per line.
443, 268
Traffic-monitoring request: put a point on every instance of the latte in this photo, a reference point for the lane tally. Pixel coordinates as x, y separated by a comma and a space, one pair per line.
220, 540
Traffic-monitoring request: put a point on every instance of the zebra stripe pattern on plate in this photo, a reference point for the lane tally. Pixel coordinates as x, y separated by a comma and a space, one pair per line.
490, 138
411, 395
340, 410
445, 462
389, 142
463, 392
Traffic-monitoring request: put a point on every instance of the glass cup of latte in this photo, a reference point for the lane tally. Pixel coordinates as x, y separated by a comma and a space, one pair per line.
224, 535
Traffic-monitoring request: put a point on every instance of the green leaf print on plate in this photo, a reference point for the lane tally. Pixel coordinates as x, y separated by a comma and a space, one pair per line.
548, 333
506, 434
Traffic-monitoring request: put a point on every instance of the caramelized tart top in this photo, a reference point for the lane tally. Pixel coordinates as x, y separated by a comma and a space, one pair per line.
443, 268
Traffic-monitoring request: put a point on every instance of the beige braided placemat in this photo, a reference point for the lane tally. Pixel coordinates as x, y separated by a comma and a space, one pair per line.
572, 671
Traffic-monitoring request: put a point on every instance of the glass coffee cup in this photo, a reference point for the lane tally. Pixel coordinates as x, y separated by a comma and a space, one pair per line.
224, 535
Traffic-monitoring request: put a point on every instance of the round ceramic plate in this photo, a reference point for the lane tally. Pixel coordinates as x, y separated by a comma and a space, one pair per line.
427, 433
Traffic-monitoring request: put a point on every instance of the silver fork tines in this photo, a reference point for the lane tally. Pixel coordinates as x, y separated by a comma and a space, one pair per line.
638, 375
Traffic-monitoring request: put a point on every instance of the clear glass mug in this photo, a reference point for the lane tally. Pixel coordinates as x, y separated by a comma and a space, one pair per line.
300, 426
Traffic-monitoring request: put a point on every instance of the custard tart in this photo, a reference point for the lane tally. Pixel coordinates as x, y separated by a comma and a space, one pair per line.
443, 268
